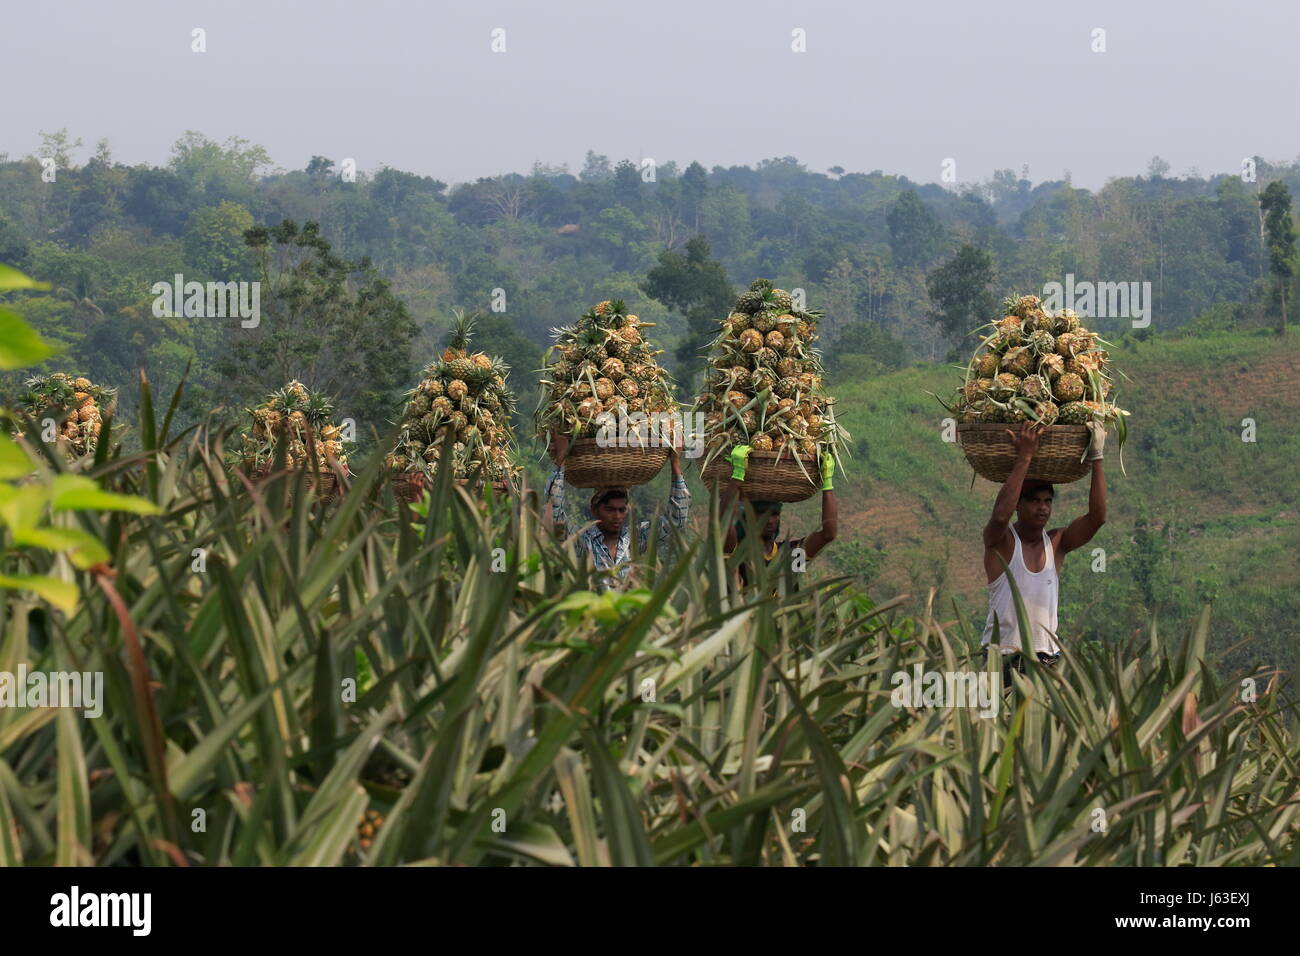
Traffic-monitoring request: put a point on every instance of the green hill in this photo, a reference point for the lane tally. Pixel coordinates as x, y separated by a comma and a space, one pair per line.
1200, 514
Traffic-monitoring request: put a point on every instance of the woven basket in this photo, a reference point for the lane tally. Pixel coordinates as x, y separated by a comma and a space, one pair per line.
411, 487
769, 476
323, 483
588, 465
992, 454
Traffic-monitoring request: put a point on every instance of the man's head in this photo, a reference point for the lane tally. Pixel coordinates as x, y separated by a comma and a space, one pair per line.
609, 508
767, 515
1035, 506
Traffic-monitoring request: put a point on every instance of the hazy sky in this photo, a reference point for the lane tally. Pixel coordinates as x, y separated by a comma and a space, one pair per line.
898, 86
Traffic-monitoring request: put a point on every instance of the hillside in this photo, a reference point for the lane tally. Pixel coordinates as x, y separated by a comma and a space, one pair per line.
1221, 514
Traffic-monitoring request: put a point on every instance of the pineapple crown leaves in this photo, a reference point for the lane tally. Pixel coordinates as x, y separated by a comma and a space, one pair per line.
462, 330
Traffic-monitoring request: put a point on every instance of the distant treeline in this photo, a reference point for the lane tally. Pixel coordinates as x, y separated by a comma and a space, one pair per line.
548, 244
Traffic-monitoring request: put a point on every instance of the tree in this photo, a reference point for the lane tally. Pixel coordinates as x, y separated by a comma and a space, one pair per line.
960, 291
320, 167
1157, 168
915, 234
696, 286
695, 187
58, 147
214, 243
596, 169
332, 323
1279, 228
863, 349
627, 185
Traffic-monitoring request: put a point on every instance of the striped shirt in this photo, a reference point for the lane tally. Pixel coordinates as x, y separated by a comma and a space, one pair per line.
591, 542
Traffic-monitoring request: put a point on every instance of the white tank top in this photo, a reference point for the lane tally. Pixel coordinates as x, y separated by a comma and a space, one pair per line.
1038, 591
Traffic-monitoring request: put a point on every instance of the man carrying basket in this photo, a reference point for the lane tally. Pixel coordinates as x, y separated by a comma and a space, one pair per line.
768, 516
607, 542
1027, 544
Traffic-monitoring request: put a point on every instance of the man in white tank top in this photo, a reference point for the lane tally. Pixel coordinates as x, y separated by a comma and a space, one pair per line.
1033, 553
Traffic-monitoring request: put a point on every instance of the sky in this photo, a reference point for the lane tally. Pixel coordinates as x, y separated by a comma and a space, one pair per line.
901, 87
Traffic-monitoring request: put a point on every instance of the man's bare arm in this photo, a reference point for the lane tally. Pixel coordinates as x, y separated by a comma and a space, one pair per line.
829, 529
1026, 441
1081, 529
725, 504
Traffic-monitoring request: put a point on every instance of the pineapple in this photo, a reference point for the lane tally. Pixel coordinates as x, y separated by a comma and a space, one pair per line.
1042, 342
985, 365
775, 341
751, 340
1074, 413
1036, 388
1065, 344
1053, 365
783, 300
751, 301
1006, 383
1008, 333
765, 322
1018, 360
461, 330
1068, 388
1065, 321
457, 389
612, 369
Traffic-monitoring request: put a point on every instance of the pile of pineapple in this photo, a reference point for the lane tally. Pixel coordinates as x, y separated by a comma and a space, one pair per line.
305, 418
763, 387
467, 394
1037, 366
84, 403
602, 363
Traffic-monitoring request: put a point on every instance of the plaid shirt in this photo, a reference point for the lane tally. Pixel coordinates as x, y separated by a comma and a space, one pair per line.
592, 542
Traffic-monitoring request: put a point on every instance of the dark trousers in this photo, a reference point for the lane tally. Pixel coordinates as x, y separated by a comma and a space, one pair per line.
1015, 661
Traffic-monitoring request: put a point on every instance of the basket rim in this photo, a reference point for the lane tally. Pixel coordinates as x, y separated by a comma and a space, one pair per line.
591, 446
1004, 426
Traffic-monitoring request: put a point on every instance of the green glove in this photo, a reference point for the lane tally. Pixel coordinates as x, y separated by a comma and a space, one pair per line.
828, 469
739, 461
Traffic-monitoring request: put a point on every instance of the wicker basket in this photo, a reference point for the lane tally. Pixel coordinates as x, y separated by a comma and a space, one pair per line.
324, 484
991, 452
588, 465
411, 488
769, 476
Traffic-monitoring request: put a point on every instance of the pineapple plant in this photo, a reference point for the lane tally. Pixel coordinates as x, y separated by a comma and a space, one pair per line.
75, 402
471, 406
604, 363
303, 418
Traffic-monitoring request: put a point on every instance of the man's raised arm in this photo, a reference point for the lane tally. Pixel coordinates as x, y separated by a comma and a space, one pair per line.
830, 512
1080, 531
1026, 442
553, 512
